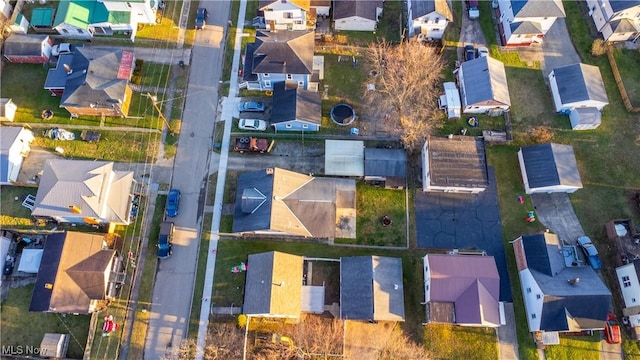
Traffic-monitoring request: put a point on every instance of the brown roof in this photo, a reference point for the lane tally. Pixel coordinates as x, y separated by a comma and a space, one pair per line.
457, 161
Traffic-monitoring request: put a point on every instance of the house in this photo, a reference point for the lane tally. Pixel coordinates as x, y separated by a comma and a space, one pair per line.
288, 14
629, 281
549, 168
84, 19
561, 293
344, 158
93, 81
15, 144
279, 56
356, 15
371, 288
483, 86
77, 275
294, 108
579, 87
454, 164
279, 201
462, 290
83, 191
28, 49
8, 109
273, 287
616, 20
386, 166
523, 22
428, 18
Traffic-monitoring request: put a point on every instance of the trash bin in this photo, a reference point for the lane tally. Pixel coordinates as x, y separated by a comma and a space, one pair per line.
355, 131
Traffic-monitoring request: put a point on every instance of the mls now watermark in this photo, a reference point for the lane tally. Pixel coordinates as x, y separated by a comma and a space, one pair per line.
23, 350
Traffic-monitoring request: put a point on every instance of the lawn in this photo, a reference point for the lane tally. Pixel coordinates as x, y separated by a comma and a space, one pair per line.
13, 214
156, 75
22, 329
201, 272
628, 63
577, 347
447, 341
168, 30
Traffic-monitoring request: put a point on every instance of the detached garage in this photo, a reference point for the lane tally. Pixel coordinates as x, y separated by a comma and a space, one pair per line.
344, 158
549, 168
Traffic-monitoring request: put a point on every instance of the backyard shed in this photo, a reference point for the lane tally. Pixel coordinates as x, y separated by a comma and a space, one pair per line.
450, 101
344, 157
549, 168
7, 109
30, 260
54, 345
483, 86
387, 166
28, 49
577, 86
585, 118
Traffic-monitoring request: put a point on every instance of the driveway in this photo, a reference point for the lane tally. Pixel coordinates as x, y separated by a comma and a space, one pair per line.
556, 213
470, 33
464, 221
557, 48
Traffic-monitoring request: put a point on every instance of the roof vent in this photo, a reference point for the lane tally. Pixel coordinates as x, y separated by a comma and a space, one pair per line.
269, 171
573, 281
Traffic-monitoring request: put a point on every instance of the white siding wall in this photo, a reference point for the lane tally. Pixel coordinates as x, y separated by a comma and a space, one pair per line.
533, 299
355, 23
629, 285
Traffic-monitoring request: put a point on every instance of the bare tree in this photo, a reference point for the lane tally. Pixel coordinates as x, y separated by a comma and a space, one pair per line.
317, 336
406, 79
400, 347
225, 341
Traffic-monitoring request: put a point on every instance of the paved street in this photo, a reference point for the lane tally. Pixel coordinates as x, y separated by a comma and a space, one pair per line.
175, 277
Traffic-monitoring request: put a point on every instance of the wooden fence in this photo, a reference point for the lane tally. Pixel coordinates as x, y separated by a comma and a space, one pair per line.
618, 78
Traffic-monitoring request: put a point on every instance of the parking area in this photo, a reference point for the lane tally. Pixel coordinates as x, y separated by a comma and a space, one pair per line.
464, 221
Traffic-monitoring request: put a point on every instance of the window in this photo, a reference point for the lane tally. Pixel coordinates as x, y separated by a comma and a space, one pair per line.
287, 15
538, 296
288, 126
265, 75
427, 287
65, 31
626, 281
301, 84
80, 31
289, 77
533, 316
267, 84
528, 290
305, 126
633, 300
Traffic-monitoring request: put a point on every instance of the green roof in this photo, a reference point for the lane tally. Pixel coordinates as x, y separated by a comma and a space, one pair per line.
75, 13
41, 17
102, 15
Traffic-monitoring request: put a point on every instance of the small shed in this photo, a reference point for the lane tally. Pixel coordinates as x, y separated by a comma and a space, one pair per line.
549, 168
585, 118
387, 166
42, 18
450, 101
576, 86
20, 25
54, 345
30, 260
344, 158
28, 49
7, 109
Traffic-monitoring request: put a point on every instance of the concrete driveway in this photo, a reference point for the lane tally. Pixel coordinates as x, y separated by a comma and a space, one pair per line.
557, 48
470, 33
556, 213
463, 221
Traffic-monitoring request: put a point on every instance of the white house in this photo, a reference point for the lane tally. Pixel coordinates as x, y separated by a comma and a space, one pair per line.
629, 280
549, 168
356, 15
14, 147
522, 22
454, 164
287, 14
428, 18
616, 20
7, 109
483, 86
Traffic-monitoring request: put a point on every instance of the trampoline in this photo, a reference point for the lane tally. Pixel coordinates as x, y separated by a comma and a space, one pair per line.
342, 114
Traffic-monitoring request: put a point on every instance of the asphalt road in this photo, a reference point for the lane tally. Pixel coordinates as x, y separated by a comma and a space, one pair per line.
175, 277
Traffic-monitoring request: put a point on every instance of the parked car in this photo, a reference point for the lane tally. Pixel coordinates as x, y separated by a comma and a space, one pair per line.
165, 240
9, 264
201, 18
612, 329
483, 51
251, 106
469, 52
173, 203
252, 124
590, 252
58, 49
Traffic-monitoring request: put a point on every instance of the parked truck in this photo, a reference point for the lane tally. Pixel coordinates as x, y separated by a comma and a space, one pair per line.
251, 144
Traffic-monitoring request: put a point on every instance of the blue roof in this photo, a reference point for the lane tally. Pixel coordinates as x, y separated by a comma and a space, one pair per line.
356, 287
550, 165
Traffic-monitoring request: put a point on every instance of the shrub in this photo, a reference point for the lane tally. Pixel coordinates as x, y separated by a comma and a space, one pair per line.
541, 134
599, 47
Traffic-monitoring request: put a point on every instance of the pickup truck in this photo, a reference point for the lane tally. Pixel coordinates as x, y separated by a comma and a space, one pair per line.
251, 144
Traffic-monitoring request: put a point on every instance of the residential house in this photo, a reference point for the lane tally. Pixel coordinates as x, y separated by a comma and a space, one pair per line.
356, 15
371, 288
616, 20
578, 90
462, 290
77, 275
15, 144
523, 22
454, 164
83, 191
428, 18
93, 81
279, 56
28, 49
344, 158
8, 109
561, 293
386, 166
288, 14
483, 86
295, 109
278, 201
84, 19
629, 281
549, 168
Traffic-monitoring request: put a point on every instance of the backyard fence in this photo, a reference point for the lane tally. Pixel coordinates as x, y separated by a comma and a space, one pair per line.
619, 83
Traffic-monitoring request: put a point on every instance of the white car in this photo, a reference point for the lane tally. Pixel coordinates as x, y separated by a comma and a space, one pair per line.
252, 124
58, 49
483, 51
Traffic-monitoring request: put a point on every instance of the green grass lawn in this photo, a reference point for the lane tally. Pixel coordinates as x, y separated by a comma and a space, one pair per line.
576, 347
21, 328
628, 63
168, 30
157, 75
203, 253
446, 341
13, 214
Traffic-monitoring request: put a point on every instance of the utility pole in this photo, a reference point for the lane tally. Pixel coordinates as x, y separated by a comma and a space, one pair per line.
154, 100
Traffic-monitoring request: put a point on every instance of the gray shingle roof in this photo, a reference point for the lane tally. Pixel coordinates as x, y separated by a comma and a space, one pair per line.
423, 7
460, 161
361, 8
385, 162
537, 8
282, 52
291, 102
620, 5
580, 82
550, 165
484, 82
24, 45
525, 27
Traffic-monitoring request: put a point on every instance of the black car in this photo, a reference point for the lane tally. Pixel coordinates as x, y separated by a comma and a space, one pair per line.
201, 18
470, 53
8, 266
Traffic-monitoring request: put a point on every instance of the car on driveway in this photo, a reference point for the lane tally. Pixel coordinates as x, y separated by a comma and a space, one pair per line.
483, 51
58, 49
590, 252
165, 240
251, 106
252, 124
201, 18
612, 329
469, 52
173, 203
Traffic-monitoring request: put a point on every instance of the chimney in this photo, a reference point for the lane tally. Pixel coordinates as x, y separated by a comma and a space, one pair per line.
269, 171
574, 281
68, 69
